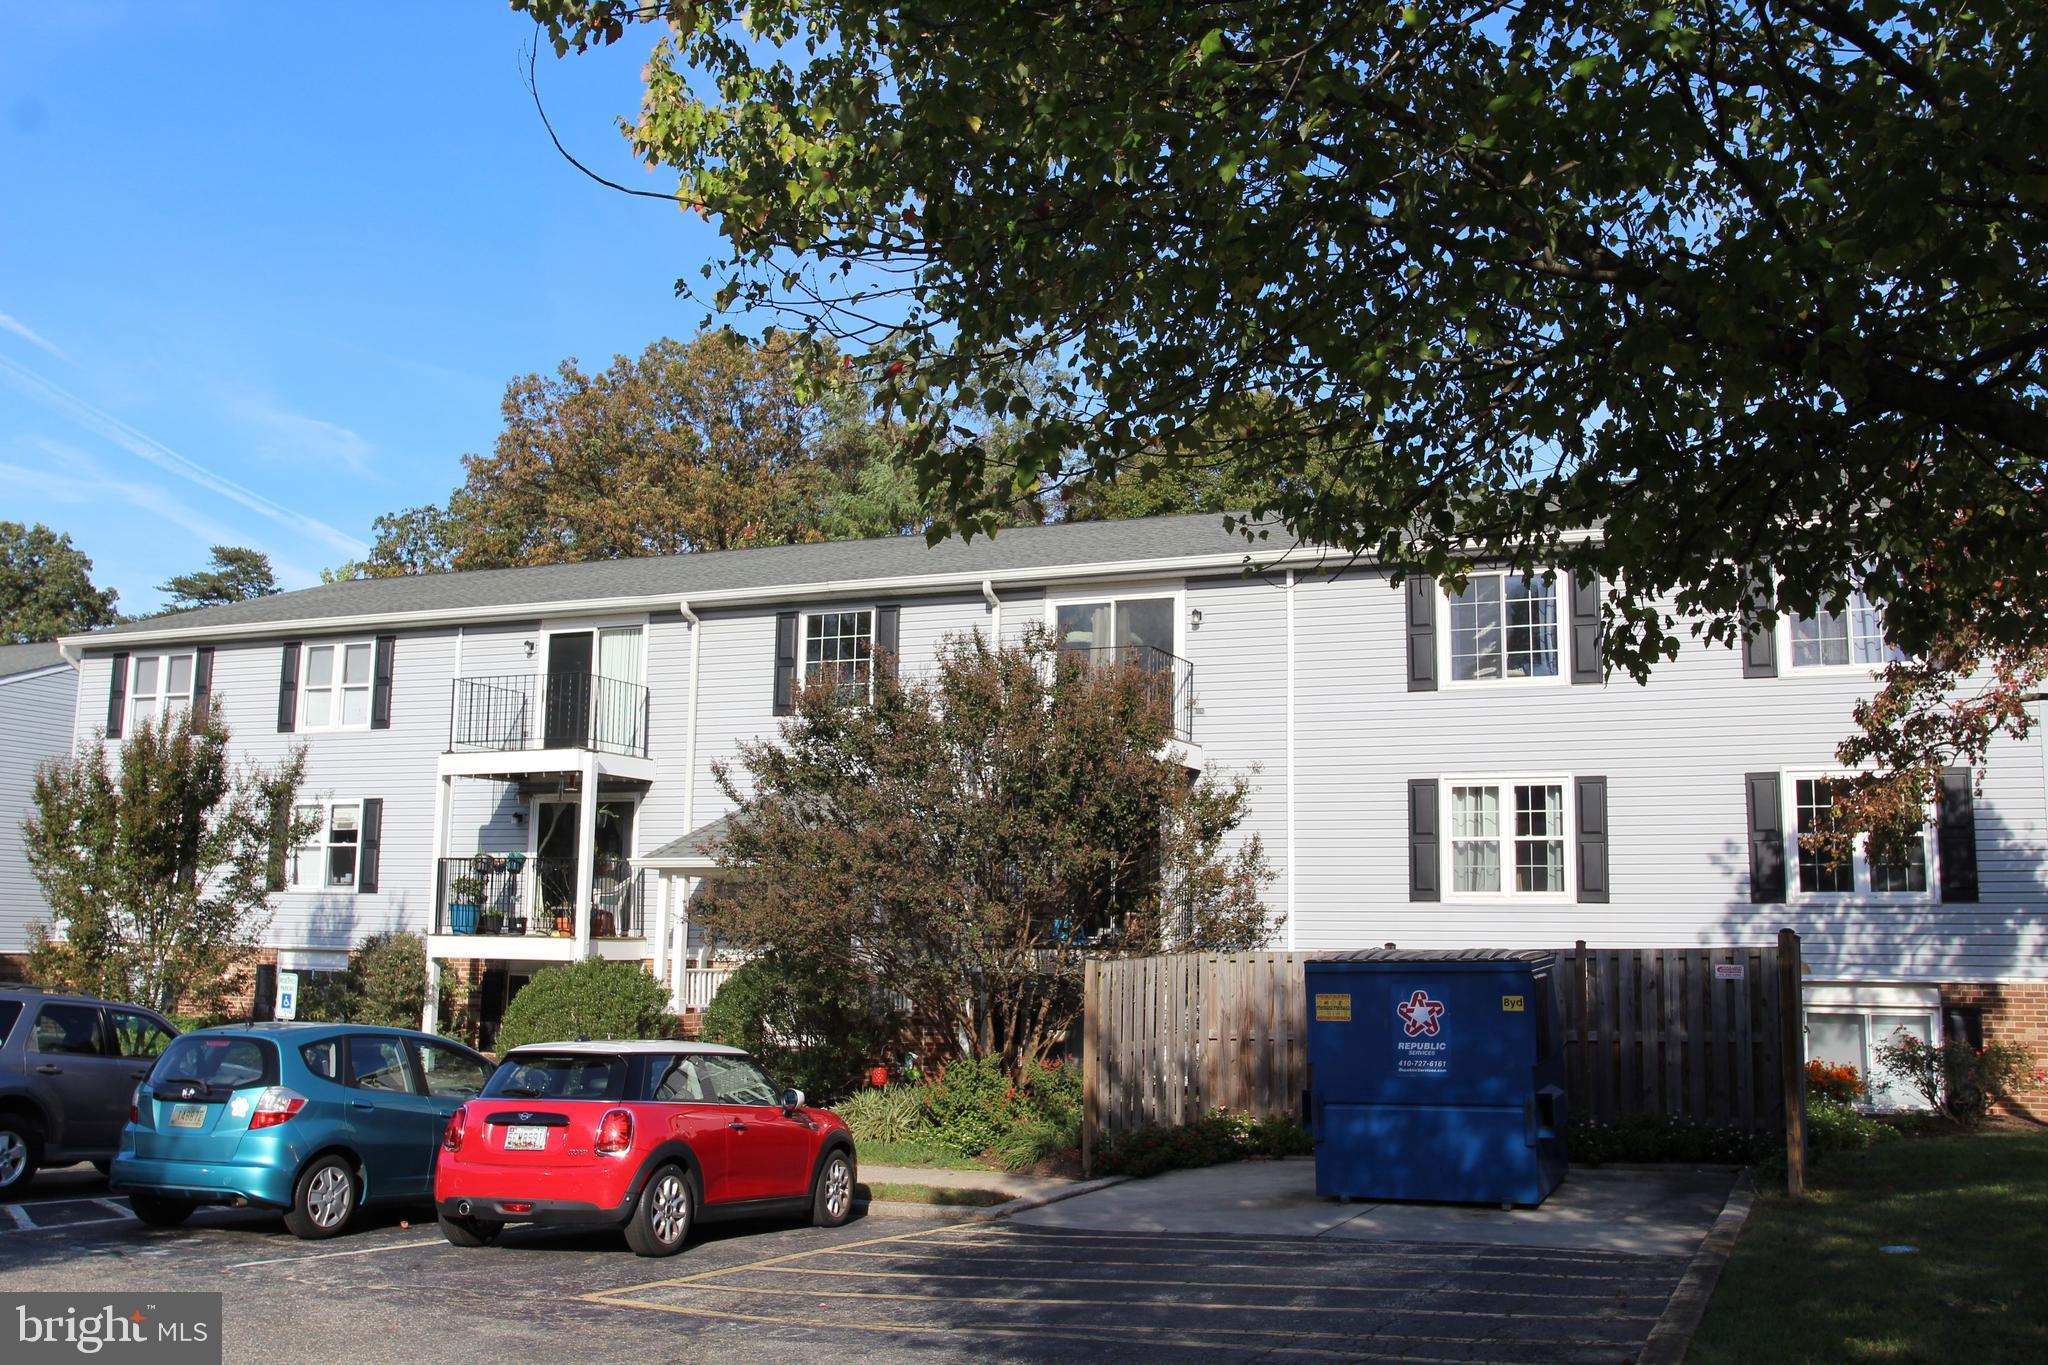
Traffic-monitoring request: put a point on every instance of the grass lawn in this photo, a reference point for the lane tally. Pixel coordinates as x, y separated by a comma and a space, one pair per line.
935, 1194
1808, 1280
915, 1154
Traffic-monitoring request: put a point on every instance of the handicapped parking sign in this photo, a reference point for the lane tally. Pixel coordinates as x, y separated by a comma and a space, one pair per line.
287, 996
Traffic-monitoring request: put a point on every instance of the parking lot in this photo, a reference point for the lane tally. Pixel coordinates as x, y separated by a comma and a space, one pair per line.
887, 1288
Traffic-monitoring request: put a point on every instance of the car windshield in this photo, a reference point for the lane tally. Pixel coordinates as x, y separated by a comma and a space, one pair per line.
558, 1076
213, 1063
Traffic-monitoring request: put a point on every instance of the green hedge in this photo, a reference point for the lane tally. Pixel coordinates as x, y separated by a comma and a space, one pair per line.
589, 999
1222, 1136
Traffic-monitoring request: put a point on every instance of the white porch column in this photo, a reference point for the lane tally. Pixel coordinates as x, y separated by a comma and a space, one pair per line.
442, 802
430, 1021
661, 944
586, 853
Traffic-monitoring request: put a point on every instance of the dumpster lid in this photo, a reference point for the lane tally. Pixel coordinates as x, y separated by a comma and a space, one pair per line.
1538, 955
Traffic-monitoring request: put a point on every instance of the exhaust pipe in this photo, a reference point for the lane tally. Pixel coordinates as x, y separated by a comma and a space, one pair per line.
462, 1209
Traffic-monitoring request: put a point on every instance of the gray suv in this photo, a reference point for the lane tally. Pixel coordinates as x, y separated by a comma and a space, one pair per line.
69, 1065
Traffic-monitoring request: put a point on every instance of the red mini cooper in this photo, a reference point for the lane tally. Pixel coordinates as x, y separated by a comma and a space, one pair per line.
644, 1136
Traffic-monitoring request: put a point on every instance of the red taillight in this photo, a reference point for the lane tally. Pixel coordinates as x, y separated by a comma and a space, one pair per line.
614, 1132
274, 1106
451, 1136
515, 1206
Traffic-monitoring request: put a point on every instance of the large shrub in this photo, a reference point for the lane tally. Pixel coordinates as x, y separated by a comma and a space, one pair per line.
810, 1026
387, 980
978, 1108
1220, 1137
890, 1113
589, 999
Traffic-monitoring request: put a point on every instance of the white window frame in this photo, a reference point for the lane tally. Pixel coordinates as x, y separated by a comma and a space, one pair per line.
163, 698
803, 639
1872, 1003
1506, 839
594, 627
1113, 594
336, 688
321, 849
1786, 651
1445, 675
1860, 874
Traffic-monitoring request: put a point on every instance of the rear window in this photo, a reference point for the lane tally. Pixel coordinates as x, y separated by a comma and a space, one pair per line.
558, 1076
10, 1010
217, 1063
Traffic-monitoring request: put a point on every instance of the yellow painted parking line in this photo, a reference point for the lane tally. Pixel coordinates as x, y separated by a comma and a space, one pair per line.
707, 1282
1228, 1265
1321, 1247
772, 1260
1241, 1285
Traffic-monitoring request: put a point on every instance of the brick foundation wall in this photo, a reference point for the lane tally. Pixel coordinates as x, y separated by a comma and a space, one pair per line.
2013, 1013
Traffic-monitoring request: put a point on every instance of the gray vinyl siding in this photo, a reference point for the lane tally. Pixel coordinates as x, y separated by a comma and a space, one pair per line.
36, 721
1674, 754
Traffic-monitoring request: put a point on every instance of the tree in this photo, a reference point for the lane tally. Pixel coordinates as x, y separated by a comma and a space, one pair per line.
594, 998
806, 1022
969, 839
1734, 281
46, 586
236, 575
158, 865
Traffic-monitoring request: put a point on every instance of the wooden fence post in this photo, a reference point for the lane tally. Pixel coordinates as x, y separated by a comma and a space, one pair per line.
1791, 1059
1091, 1063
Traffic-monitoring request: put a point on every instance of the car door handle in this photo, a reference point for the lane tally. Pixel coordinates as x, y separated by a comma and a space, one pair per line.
47, 1070
361, 1104
737, 1126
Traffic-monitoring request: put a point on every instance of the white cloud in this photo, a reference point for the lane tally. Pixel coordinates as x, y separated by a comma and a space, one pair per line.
28, 334
111, 428
289, 437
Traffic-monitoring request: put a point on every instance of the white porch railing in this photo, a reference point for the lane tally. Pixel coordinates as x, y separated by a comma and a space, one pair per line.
701, 983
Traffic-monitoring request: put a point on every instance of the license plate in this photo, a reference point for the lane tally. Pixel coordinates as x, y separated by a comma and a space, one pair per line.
188, 1116
526, 1138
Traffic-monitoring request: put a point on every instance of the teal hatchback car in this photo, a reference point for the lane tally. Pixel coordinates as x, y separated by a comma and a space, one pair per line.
313, 1119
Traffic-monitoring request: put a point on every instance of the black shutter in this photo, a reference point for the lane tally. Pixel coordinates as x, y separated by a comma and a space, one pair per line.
263, 1004
888, 634
288, 690
1592, 804
783, 699
1421, 634
1956, 835
372, 848
1582, 594
1760, 648
280, 847
1766, 838
117, 696
380, 683
202, 679
1423, 856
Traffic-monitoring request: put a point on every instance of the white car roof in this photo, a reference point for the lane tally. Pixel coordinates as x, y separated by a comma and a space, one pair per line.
630, 1045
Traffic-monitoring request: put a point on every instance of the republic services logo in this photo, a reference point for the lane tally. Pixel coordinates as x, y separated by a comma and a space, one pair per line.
1420, 1015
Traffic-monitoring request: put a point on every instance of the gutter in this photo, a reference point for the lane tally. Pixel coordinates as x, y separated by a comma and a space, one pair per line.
690, 743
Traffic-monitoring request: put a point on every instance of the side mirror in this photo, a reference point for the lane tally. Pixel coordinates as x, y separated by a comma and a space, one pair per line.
792, 1099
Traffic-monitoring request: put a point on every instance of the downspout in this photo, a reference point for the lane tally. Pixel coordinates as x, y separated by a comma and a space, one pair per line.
680, 913
1292, 905
995, 610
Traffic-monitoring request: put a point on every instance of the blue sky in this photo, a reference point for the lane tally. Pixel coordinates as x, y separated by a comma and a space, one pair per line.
264, 273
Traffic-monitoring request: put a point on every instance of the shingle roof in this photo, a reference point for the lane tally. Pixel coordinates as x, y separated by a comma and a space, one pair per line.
701, 842
735, 572
27, 658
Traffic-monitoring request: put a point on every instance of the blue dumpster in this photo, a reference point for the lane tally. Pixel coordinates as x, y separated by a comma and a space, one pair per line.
1436, 1075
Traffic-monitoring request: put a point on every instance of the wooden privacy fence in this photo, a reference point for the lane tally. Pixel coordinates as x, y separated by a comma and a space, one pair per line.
1697, 1033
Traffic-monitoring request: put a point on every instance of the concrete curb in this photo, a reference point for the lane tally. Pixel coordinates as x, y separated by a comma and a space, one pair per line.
1671, 1338
985, 1213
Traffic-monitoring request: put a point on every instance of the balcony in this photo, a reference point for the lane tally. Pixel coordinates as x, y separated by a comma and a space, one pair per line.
522, 712
1168, 679
519, 896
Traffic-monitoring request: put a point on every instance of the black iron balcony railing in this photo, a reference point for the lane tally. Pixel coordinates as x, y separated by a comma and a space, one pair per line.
1168, 679
547, 711
512, 894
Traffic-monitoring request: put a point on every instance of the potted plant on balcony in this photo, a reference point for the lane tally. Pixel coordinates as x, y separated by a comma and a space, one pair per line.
564, 917
465, 896
491, 922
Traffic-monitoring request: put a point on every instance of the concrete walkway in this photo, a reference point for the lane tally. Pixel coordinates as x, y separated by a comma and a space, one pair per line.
1654, 1211
1002, 1182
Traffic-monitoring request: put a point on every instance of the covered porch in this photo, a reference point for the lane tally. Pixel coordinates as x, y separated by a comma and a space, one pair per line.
678, 872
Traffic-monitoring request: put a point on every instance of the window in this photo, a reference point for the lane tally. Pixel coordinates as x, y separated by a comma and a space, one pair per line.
137, 1035
157, 685
323, 1058
217, 1063
10, 1010
839, 647
734, 1080
681, 1083
1508, 839
450, 1071
1503, 626
1132, 625
1852, 636
379, 1063
558, 1076
1849, 1036
328, 859
1832, 866
69, 1030
334, 686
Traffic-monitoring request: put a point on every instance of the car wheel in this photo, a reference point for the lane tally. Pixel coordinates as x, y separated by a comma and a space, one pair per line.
832, 1196
159, 1212
325, 1200
21, 1151
469, 1232
667, 1207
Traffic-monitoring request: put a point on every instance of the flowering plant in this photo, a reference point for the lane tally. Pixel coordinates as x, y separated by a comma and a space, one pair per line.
1957, 1079
1839, 1082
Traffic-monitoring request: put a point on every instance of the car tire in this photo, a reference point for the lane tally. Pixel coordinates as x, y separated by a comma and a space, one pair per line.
325, 1199
469, 1232
832, 1191
21, 1151
664, 1214
103, 1167
159, 1212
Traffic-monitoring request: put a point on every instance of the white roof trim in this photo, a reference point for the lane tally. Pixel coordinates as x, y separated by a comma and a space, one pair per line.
61, 666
